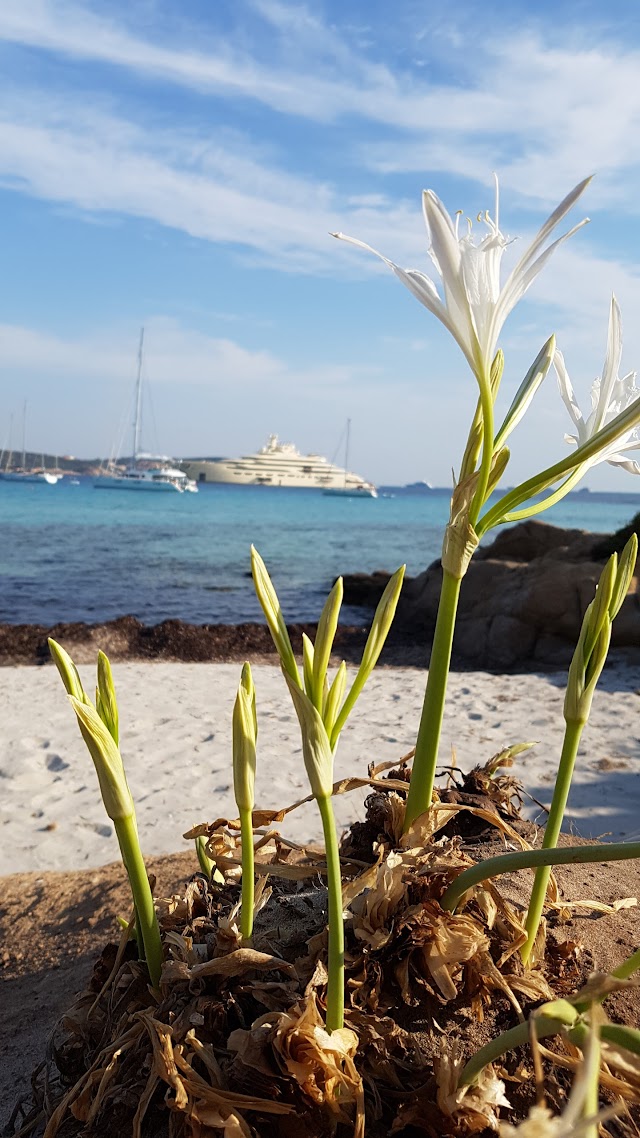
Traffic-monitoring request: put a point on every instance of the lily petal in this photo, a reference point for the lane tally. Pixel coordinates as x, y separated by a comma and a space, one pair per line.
611, 363
554, 219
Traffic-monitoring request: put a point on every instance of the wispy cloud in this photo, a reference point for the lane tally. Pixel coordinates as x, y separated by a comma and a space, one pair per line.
541, 113
174, 354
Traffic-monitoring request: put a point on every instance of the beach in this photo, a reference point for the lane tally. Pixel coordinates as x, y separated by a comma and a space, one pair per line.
176, 741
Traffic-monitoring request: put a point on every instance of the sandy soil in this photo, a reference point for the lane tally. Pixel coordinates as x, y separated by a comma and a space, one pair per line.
53, 926
176, 733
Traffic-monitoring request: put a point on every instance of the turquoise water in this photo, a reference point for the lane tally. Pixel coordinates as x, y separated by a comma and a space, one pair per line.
75, 553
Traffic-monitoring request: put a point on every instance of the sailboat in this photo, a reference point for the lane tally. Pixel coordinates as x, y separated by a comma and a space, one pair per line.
21, 474
141, 475
352, 486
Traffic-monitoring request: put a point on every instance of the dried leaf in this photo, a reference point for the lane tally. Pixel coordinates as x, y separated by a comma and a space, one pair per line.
232, 964
473, 1108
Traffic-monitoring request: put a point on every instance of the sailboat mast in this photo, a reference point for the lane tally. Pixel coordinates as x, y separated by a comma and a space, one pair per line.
138, 401
24, 435
7, 447
346, 452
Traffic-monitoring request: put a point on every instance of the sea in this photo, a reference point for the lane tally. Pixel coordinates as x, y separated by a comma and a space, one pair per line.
73, 553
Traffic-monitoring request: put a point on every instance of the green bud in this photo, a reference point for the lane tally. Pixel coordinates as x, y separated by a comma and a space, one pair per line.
592, 647
327, 626
495, 376
334, 698
527, 390
316, 748
106, 704
498, 466
307, 664
68, 672
380, 626
107, 760
245, 733
273, 613
561, 1010
598, 610
626, 568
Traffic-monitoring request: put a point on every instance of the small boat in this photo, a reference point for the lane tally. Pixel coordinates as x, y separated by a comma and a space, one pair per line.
350, 488
21, 473
144, 473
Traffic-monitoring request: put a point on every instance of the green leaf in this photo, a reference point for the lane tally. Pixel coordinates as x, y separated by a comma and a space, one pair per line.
273, 613
307, 664
316, 748
334, 698
68, 672
107, 760
244, 731
327, 626
106, 703
380, 627
527, 390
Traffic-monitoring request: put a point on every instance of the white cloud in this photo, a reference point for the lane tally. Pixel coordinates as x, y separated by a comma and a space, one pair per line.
174, 354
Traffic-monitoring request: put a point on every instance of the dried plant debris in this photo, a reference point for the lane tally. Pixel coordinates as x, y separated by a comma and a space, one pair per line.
234, 1041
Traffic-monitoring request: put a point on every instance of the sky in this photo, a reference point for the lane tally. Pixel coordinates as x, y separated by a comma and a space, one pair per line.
182, 166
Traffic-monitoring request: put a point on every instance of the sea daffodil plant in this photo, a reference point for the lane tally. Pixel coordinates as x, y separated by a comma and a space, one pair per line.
245, 736
99, 729
473, 308
586, 667
322, 710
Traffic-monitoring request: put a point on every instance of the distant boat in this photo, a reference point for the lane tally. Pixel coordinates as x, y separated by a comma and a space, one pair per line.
143, 474
349, 489
276, 464
20, 473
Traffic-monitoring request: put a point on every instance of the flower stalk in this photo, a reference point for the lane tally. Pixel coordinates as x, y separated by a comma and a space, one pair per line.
322, 710
584, 672
335, 985
245, 736
532, 859
99, 729
426, 755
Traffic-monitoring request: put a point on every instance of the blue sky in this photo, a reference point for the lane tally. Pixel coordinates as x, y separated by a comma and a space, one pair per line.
182, 166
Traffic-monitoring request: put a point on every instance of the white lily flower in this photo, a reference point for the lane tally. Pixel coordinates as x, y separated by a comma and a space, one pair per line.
475, 305
610, 395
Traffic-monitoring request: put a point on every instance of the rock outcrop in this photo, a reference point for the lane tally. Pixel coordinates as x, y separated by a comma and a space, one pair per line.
521, 602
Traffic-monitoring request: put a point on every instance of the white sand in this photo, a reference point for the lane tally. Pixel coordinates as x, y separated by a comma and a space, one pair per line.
176, 732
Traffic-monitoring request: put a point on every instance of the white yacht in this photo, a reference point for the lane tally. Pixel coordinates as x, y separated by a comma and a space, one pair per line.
278, 464
137, 477
144, 473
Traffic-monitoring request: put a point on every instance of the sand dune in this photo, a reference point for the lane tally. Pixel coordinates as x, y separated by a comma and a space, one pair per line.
176, 741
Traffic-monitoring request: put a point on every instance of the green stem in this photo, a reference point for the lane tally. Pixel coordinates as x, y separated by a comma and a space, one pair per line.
572, 734
591, 1105
628, 966
204, 861
486, 400
619, 1035
516, 1036
546, 503
335, 986
426, 757
531, 859
580, 457
248, 875
146, 918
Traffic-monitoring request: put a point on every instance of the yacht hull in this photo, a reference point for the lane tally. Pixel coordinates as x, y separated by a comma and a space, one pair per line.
108, 483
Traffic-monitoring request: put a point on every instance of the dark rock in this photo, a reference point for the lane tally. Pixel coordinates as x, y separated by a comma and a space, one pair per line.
521, 602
